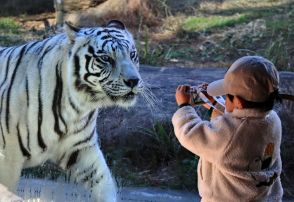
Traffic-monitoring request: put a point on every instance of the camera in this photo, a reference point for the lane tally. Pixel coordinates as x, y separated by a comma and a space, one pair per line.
199, 97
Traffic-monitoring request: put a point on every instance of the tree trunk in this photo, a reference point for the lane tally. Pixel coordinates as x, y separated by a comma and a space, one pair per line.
59, 9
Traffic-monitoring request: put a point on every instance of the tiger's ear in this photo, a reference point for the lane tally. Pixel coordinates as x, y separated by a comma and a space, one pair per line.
71, 31
116, 24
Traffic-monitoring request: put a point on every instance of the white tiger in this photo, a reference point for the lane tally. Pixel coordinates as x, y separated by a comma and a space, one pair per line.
50, 93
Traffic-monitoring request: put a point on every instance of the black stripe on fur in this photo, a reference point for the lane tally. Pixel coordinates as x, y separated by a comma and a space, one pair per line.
72, 159
3, 138
28, 138
87, 138
40, 120
27, 92
11, 84
73, 106
56, 105
24, 151
41, 142
7, 66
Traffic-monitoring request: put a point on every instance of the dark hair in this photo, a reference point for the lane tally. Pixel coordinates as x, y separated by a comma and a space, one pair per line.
264, 106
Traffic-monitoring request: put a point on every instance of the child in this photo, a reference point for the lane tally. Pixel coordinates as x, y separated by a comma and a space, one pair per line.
240, 150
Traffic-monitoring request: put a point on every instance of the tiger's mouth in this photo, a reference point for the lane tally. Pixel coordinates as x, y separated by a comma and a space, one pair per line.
129, 96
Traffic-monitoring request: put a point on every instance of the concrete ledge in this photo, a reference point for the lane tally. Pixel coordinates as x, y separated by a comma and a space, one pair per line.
7, 196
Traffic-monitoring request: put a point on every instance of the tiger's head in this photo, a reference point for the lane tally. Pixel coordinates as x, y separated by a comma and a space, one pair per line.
104, 64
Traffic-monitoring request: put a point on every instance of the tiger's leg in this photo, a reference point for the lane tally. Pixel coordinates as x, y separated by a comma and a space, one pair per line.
11, 164
88, 166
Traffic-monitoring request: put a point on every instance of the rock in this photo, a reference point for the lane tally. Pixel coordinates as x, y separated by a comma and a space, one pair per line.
122, 127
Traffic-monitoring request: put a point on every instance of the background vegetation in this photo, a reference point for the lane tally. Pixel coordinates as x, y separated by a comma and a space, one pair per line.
190, 33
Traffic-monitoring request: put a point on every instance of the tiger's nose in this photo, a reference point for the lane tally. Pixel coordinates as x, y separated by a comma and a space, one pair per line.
131, 82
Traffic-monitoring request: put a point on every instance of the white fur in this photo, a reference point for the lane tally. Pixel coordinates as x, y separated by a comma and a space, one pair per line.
51, 116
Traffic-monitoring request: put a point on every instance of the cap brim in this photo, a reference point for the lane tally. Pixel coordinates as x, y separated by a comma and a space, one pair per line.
216, 88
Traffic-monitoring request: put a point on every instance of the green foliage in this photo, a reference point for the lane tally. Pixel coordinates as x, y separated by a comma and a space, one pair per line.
179, 53
237, 31
151, 54
277, 52
204, 23
161, 161
10, 32
280, 49
166, 143
9, 25
10, 40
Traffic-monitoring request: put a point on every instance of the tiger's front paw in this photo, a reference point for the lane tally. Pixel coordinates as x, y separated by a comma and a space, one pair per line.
105, 191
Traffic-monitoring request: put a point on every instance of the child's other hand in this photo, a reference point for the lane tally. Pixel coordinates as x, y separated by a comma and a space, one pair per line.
211, 100
203, 89
183, 95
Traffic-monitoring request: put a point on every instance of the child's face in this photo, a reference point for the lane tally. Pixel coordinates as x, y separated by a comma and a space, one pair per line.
230, 104
235, 102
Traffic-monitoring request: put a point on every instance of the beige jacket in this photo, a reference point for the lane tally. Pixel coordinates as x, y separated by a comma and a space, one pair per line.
239, 154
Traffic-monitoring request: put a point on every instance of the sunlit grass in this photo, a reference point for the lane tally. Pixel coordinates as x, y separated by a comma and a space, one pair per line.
204, 23
240, 5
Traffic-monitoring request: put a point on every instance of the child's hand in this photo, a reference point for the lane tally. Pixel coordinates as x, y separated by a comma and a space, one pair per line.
183, 95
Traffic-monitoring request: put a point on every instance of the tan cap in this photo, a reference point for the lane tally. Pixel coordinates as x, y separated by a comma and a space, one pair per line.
252, 78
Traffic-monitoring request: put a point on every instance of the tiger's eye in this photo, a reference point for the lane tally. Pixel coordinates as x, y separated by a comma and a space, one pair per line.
132, 54
105, 58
